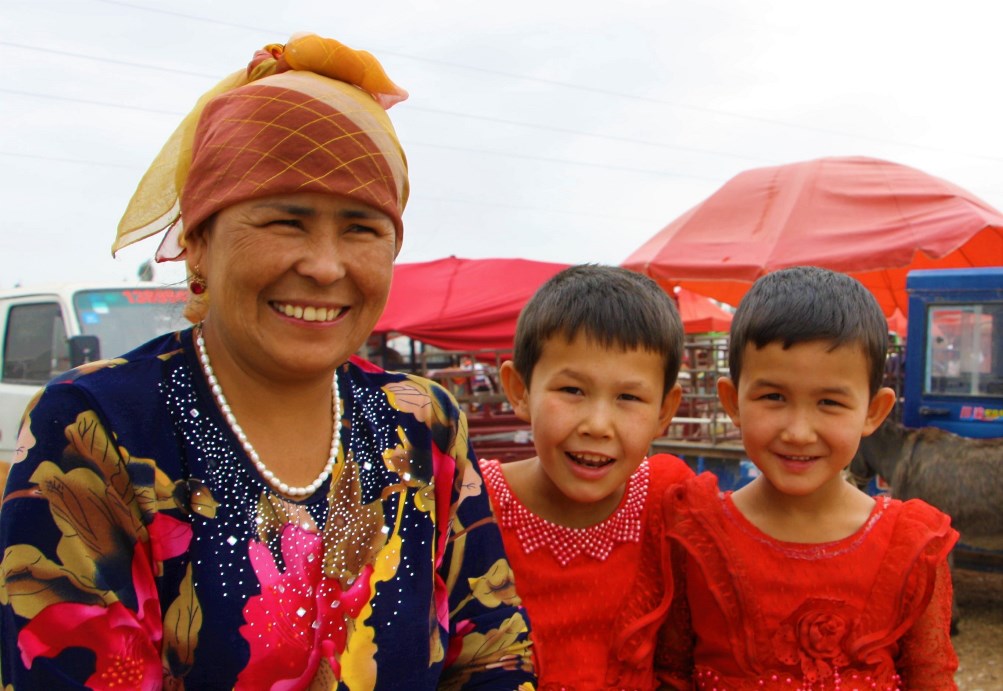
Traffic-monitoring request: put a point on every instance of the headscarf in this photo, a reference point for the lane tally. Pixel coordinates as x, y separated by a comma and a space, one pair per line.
309, 116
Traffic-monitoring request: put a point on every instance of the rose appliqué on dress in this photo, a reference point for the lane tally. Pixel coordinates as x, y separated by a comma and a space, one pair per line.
815, 637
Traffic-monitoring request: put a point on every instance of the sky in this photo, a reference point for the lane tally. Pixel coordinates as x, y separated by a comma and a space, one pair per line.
555, 130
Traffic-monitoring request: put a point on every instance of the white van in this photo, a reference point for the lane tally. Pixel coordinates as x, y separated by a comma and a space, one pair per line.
49, 329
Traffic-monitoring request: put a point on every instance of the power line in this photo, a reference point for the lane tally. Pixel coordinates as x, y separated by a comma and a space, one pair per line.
410, 107
111, 61
410, 143
218, 22
522, 77
103, 104
578, 87
426, 199
60, 159
537, 209
581, 133
562, 161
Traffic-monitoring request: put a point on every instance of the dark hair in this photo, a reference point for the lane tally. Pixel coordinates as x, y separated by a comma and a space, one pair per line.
607, 304
808, 303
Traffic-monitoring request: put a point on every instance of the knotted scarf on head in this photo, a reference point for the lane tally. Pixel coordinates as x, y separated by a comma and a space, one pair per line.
309, 116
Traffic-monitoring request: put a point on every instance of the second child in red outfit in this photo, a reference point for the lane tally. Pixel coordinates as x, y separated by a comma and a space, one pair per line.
597, 353
799, 580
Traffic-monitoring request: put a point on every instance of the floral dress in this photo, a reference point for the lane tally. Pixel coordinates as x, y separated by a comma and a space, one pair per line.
871, 611
142, 550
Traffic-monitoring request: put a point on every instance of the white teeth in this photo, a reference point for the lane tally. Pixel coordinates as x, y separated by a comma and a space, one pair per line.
310, 314
590, 460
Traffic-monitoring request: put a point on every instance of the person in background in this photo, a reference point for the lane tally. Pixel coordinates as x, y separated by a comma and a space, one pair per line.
597, 352
799, 580
246, 504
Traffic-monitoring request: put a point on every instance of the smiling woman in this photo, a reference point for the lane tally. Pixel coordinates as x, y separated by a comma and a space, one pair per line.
297, 281
246, 504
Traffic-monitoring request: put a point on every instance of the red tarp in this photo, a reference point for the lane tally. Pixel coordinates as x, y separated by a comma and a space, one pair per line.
897, 323
471, 304
462, 304
699, 314
872, 219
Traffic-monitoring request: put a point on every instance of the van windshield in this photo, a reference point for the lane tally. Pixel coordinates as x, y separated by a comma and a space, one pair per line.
126, 318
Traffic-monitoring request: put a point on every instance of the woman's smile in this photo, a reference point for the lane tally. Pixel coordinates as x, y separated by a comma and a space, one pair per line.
309, 313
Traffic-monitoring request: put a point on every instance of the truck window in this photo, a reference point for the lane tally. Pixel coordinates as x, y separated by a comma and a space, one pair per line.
35, 348
963, 350
126, 318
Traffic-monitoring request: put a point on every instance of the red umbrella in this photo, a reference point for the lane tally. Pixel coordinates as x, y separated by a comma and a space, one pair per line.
873, 219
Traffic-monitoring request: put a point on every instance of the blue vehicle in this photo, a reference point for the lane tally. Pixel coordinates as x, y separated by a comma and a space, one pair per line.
953, 372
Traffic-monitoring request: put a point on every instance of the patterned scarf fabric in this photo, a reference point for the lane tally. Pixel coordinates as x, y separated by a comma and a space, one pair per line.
308, 116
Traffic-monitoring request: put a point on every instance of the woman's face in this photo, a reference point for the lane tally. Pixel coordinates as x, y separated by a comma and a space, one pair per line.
296, 281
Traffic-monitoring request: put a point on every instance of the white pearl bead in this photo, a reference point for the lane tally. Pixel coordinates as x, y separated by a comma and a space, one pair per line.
268, 475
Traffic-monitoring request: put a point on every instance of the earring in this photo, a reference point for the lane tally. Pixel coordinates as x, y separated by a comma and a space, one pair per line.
198, 285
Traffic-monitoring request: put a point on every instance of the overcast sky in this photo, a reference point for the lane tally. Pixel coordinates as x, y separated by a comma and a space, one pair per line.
555, 130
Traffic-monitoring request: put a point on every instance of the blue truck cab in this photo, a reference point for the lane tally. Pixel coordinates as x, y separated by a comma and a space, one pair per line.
953, 376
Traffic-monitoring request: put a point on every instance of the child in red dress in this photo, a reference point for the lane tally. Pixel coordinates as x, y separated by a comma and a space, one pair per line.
798, 580
597, 353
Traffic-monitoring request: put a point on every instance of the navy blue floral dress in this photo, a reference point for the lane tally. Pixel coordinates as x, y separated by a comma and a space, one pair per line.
142, 549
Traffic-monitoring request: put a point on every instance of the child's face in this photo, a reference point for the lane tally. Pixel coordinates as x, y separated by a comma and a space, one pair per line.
803, 410
594, 412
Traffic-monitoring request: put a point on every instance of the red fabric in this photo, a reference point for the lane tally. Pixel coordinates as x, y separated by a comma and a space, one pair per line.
290, 133
873, 608
462, 304
699, 314
870, 218
898, 323
468, 304
576, 609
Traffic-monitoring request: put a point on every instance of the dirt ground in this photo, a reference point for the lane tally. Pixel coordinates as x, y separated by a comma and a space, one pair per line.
979, 641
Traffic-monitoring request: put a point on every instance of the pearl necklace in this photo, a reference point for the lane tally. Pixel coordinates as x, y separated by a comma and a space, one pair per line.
275, 482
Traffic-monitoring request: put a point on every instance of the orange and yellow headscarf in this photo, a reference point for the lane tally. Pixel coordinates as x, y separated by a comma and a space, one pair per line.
309, 116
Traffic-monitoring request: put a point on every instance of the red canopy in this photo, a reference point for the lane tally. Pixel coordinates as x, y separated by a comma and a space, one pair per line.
470, 304
897, 323
873, 219
699, 314
462, 304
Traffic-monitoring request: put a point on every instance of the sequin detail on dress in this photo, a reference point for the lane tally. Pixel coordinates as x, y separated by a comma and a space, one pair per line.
597, 541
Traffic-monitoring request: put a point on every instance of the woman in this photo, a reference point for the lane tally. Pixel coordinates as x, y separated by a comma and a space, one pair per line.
245, 504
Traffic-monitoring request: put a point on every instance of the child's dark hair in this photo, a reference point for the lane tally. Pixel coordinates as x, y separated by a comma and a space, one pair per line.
609, 305
808, 303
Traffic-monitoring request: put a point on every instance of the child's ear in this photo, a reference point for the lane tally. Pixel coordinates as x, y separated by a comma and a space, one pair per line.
727, 393
670, 404
515, 390
877, 410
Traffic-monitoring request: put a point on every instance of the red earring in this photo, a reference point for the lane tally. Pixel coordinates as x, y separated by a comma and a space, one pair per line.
197, 286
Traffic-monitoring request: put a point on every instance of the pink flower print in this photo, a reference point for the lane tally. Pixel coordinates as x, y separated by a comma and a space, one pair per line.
300, 616
125, 643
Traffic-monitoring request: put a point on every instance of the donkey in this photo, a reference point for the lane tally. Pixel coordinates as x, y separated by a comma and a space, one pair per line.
961, 476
